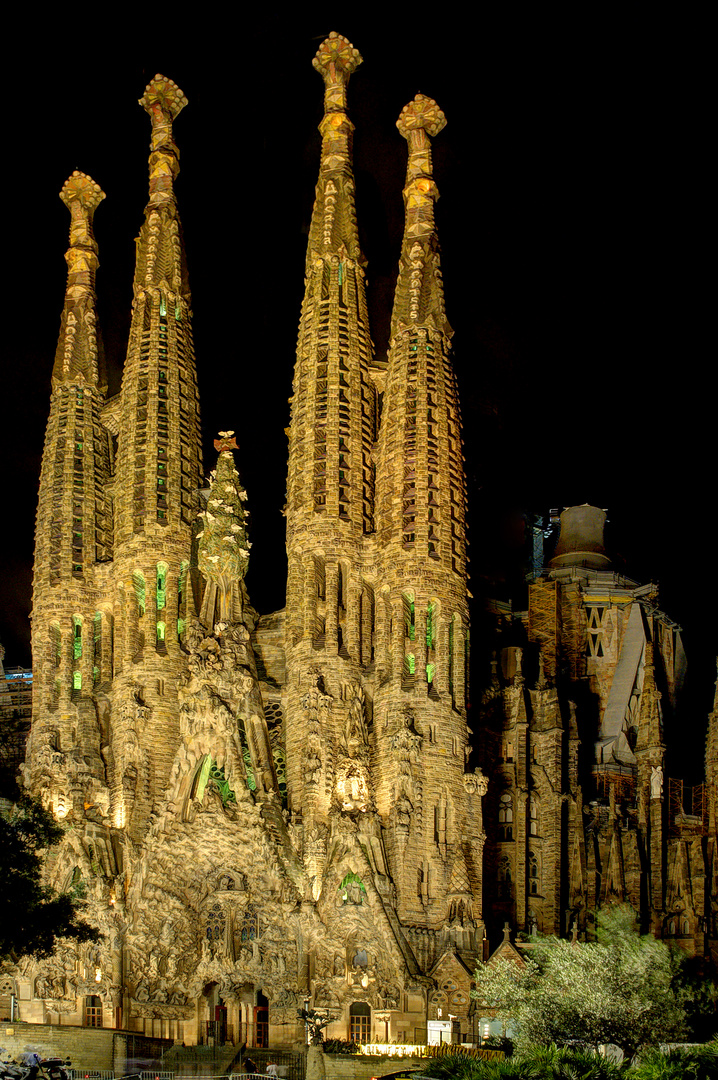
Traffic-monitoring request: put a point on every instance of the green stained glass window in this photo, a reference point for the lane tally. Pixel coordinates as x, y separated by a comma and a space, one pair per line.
217, 777
77, 680
77, 636
430, 672
162, 569
160, 631
163, 305
410, 663
181, 623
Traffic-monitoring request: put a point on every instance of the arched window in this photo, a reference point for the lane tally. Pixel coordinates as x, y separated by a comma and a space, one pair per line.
504, 878
506, 817
359, 1022
534, 883
533, 816
215, 925
250, 924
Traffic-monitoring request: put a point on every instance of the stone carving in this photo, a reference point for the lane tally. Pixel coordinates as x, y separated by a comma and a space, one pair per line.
352, 791
223, 547
405, 742
656, 781
317, 705
476, 783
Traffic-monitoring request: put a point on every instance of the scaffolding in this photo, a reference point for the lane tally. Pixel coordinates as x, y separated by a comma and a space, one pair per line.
544, 622
619, 779
687, 809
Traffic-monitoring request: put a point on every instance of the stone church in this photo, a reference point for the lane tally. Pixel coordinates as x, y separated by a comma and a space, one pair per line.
271, 812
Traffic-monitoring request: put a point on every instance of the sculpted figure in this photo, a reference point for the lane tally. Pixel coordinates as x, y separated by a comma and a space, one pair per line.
656, 781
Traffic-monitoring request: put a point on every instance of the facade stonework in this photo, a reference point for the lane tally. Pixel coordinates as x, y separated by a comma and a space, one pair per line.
263, 813
277, 812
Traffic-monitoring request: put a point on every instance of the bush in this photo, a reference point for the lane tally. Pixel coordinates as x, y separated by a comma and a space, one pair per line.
340, 1046
689, 1063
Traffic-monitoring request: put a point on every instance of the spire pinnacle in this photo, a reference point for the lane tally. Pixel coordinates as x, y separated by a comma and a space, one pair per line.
163, 101
419, 296
333, 230
335, 61
77, 348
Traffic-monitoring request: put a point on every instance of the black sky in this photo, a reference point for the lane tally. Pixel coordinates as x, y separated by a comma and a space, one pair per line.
572, 218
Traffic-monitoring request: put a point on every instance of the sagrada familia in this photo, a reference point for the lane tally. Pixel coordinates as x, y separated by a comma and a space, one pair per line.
271, 812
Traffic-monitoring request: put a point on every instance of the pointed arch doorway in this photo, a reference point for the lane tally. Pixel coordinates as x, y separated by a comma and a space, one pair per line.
261, 1021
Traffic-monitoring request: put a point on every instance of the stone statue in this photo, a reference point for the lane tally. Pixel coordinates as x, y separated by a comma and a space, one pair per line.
656, 781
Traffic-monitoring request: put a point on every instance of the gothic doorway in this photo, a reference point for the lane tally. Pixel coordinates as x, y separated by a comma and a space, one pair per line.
213, 1011
360, 1022
261, 1020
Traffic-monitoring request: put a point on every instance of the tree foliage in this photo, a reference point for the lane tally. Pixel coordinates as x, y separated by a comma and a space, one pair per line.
618, 989
33, 916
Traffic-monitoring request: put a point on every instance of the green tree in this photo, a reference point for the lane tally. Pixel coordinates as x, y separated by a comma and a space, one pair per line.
33, 916
618, 989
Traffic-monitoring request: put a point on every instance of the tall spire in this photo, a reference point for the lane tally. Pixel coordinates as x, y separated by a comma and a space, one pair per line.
74, 522
419, 298
333, 230
163, 101
420, 485
160, 258
333, 405
78, 357
159, 466
330, 480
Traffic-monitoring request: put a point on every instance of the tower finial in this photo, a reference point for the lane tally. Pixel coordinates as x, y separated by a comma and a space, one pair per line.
333, 230
163, 101
77, 354
420, 119
419, 297
335, 61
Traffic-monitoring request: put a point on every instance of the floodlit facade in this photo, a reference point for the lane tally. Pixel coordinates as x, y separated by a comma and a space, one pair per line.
274, 812
277, 812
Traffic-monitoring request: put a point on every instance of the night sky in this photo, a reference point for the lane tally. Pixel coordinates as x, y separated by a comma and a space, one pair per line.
574, 197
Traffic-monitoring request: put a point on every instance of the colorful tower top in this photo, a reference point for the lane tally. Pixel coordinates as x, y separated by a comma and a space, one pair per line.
333, 230
160, 259
77, 357
163, 101
419, 299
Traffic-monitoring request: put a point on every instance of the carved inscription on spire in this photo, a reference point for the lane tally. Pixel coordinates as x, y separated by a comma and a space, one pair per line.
163, 101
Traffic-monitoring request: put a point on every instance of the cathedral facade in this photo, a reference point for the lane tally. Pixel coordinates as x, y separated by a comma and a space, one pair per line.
277, 812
